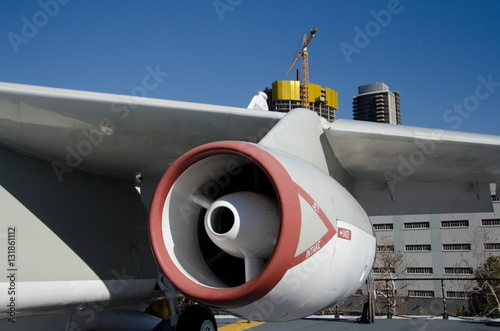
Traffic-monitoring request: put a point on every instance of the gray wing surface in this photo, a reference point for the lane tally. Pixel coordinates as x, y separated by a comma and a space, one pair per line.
115, 135
394, 169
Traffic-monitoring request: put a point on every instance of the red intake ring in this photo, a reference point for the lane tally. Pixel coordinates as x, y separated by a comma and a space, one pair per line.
286, 246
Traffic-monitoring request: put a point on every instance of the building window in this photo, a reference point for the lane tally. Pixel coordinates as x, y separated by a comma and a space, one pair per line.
457, 295
385, 248
456, 247
385, 226
420, 294
419, 270
455, 224
491, 222
458, 271
417, 248
491, 246
384, 270
416, 225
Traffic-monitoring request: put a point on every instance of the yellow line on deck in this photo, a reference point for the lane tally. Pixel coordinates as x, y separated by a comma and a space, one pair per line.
240, 326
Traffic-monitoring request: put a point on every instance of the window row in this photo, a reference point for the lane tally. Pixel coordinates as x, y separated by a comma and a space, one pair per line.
385, 248
384, 226
426, 270
420, 294
490, 222
446, 247
377, 270
418, 248
430, 294
419, 271
416, 225
456, 247
455, 224
491, 246
444, 224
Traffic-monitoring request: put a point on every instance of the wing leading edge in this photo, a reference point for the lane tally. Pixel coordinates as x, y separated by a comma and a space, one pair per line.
115, 135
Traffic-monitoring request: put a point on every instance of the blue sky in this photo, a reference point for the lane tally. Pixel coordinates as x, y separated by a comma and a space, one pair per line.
442, 56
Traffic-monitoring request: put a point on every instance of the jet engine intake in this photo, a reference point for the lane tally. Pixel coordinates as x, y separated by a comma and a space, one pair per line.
258, 232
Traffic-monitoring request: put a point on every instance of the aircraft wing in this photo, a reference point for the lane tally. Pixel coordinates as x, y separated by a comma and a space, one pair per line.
116, 135
395, 169
254, 212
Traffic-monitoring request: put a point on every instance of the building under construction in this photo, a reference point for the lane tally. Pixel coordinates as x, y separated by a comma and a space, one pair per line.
285, 95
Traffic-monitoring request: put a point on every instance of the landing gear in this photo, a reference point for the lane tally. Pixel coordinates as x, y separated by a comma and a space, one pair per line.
197, 318
193, 318
368, 315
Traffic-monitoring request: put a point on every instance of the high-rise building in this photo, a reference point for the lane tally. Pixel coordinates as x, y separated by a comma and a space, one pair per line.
375, 103
285, 96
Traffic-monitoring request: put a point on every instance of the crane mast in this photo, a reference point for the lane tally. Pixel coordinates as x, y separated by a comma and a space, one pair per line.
304, 84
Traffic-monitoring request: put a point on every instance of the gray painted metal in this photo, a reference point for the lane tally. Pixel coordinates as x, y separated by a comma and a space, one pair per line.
115, 135
397, 170
368, 151
84, 228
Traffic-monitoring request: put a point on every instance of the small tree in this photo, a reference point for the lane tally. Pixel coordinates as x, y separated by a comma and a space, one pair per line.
387, 263
485, 300
479, 236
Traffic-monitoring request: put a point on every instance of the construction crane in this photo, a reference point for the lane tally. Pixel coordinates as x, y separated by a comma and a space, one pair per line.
304, 84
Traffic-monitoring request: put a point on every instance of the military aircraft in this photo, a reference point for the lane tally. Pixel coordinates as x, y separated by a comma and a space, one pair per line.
110, 202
